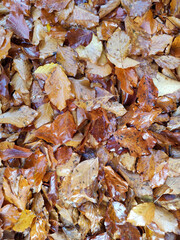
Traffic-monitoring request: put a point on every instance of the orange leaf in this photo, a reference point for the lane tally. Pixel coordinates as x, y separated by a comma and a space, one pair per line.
128, 78
132, 139
59, 131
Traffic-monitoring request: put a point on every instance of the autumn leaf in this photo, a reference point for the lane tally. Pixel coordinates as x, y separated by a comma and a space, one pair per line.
59, 131
9, 215
116, 185
21, 117
142, 214
154, 167
52, 5
5, 43
137, 147
77, 37
168, 62
159, 43
136, 8
39, 229
18, 24
45, 115
18, 197
57, 82
24, 221
147, 93
9, 150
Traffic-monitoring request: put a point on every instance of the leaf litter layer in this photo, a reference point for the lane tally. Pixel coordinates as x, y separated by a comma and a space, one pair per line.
89, 119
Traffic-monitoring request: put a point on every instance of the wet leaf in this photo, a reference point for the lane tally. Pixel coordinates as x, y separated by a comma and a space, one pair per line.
116, 185
147, 93
77, 37
137, 147
59, 131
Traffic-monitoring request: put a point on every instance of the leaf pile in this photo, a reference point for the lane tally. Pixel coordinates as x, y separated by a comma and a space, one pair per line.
89, 119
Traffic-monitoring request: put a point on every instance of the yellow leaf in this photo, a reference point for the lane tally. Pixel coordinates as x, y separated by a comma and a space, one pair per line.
142, 214
24, 221
42, 72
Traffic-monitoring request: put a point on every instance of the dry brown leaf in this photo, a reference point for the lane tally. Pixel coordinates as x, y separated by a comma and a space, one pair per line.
108, 7
114, 107
84, 174
45, 115
174, 123
39, 32
24, 221
118, 45
128, 161
92, 51
159, 43
21, 117
39, 229
67, 57
100, 70
135, 7
174, 167
175, 47
165, 85
83, 18
168, 62
64, 13
57, 87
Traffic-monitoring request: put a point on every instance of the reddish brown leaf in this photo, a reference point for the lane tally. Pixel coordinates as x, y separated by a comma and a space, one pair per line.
77, 37
39, 229
34, 169
116, 185
128, 78
5, 43
137, 147
53, 188
59, 131
10, 150
154, 167
17, 23
147, 93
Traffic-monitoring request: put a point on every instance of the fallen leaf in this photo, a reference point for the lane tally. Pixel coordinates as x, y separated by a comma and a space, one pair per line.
168, 62
83, 18
116, 185
20, 118
92, 51
67, 57
77, 37
137, 147
57, 82
52, 5
128, 79
106, 29
45, 115
136, 8
5, 43
142, 214
108, 7
17, 23
165, 85
19, 195
59, 131
154, 167
118, 45
9, 215
159, 43
39, 229
24, 221
9, 150
147, 93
